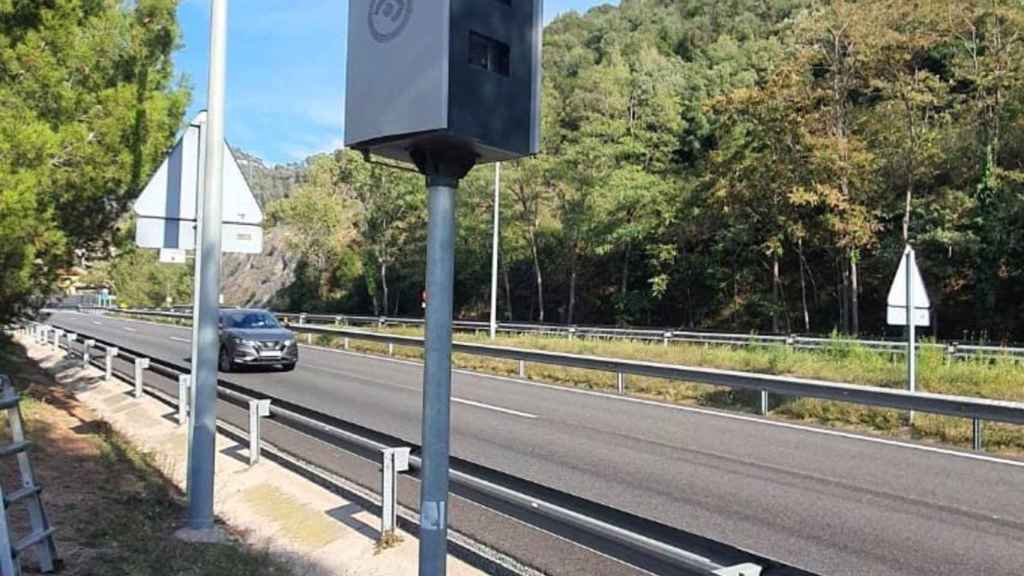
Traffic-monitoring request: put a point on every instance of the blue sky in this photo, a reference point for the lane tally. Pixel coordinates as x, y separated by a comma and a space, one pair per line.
286, 71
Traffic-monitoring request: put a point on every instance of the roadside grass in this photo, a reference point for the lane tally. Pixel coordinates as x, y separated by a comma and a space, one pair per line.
843, 360
113, 510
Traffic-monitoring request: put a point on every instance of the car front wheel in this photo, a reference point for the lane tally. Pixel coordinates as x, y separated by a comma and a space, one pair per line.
225, 364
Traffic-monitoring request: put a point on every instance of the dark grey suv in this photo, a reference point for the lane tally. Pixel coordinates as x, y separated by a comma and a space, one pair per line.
254, 338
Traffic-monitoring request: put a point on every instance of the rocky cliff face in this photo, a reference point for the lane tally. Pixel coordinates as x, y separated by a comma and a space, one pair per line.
256, 279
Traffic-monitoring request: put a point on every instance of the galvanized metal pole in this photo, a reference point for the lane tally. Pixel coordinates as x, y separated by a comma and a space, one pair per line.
494, 250
197, 275
204, 435
911, 336
437, 375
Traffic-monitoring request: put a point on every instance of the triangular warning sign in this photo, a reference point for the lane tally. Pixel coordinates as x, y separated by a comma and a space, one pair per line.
896, 309
166, 209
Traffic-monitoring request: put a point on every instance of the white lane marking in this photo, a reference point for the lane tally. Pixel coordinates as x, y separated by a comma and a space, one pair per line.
176, 339
97, 323
129, 329
706, 412
751, 419
495, 408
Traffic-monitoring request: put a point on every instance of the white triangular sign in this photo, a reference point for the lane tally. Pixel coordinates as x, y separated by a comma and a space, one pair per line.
896, 309
166, 209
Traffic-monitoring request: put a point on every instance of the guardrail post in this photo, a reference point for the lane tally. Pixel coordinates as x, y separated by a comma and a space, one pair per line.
572, 333
86, 356
950, 354
620, 378
337, 320
302, 318
391, 348
57, 333
141, 364
257, 409
522, 368
977, 437
183, 397
395, 461
667, 336
109, 366
764, 402
346, 342
71, 338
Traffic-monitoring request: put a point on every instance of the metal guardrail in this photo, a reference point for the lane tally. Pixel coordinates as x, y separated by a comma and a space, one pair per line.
260, 407
665, 336
978, 410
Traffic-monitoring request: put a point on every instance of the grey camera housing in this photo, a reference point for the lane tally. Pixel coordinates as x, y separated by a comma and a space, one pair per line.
457, 74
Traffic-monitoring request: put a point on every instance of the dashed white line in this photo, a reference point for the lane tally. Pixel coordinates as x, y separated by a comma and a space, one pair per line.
129, 329
495, 408
176, 339
97, 323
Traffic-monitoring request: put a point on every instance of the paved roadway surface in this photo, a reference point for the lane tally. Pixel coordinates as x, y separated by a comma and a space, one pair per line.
832, 503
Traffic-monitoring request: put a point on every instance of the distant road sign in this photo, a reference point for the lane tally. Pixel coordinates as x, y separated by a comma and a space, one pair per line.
172, 256
166, 209
896, 309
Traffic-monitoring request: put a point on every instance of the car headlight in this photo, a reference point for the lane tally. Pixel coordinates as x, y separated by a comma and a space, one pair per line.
289, 342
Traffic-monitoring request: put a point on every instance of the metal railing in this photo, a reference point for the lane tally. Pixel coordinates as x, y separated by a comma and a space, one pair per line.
978, 410
665, 336
260, 406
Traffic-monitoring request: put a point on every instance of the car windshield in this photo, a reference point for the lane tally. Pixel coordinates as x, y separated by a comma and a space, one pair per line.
247, 320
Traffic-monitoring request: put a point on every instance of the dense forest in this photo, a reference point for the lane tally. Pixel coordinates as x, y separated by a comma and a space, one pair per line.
88, 108
742, 165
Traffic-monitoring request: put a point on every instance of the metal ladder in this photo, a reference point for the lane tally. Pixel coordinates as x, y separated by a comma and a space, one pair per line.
41, 536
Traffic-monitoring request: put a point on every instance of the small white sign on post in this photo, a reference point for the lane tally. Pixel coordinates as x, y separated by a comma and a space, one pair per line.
896, 309
172, 256
166, 210
908, 293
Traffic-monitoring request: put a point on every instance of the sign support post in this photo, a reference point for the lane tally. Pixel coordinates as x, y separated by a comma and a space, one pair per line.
443, 166
911, 335
908, 305
197, 273
494, 250
204, 417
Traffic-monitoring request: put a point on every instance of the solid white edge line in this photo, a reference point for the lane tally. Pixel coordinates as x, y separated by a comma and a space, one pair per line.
741, 417
495, 408
176, 339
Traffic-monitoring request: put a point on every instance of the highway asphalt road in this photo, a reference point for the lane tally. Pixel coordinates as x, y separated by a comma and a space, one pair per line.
829, 502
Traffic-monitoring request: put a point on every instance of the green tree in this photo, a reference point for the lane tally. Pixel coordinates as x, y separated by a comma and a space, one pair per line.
87, 109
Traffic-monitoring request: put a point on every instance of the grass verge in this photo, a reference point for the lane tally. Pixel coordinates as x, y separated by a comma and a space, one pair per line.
114, 511
841, 361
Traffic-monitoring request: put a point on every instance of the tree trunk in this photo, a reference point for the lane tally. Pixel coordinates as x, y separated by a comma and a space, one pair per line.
803, 286
384, 284
539, 277
844, 298
508, 286
775, 294
854, 295
625, 271
571, 317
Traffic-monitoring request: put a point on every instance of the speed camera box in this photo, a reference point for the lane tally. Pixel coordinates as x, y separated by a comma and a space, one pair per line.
456, 72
